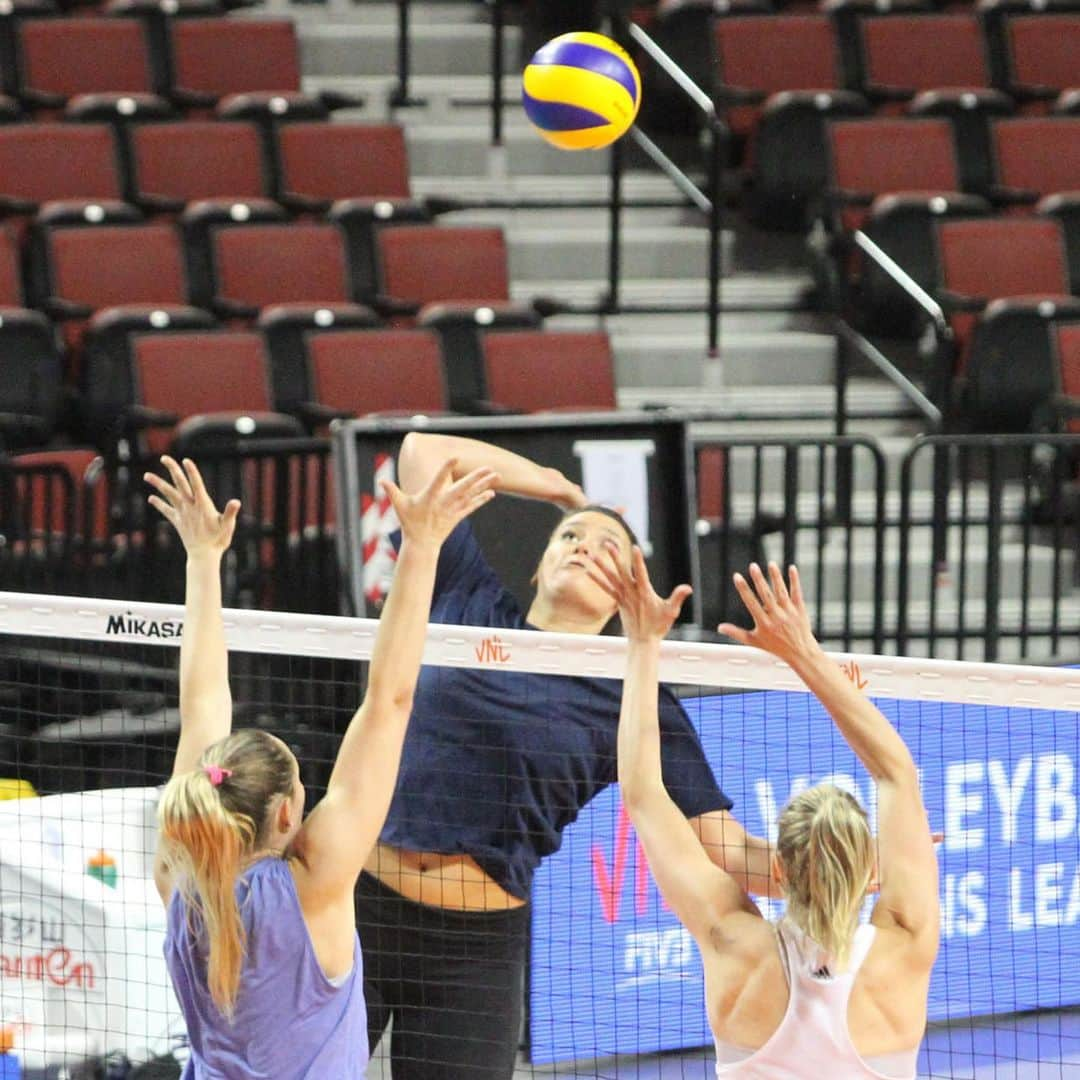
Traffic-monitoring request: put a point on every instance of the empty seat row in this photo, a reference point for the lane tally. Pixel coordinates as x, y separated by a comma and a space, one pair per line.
1012, 162
193, 63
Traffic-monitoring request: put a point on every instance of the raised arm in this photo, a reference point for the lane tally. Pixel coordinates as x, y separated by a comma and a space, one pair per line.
907, 866
205, 699
341, 831
698, 890
422, 455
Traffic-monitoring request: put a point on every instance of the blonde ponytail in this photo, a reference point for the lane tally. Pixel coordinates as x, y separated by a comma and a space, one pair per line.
827, 855
208, 830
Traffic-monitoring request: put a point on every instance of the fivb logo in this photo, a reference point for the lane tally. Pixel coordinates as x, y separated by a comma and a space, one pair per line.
377, 522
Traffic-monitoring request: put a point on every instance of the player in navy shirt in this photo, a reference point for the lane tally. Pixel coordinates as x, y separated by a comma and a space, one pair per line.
495, 765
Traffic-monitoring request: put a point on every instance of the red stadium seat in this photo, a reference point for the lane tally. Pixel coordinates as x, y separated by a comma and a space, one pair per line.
377, 371
40, 163
94, 267
63, 495
427, 264
31, 389
213, 59
904, 54
1068, 372
178, 163
1041, 55
256, 266
889, 155
11, 287
760, 55
986, 259
322, 163
63, 58
1036, 156
530, 371
184, 375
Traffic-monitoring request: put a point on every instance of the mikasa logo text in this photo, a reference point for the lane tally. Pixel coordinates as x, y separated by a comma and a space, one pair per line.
130, 624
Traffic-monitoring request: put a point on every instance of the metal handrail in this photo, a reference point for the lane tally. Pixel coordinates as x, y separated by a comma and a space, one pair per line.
902, 278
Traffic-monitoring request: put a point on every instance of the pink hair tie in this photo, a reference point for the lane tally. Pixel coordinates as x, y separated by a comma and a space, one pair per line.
217, 774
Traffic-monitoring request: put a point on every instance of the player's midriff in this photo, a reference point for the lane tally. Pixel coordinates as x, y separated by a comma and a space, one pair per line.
455, 882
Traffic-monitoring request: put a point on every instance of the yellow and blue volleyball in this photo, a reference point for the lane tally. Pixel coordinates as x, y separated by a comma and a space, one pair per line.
581, 91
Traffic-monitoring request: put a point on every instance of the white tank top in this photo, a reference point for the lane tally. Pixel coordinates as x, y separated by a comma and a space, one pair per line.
814, 1028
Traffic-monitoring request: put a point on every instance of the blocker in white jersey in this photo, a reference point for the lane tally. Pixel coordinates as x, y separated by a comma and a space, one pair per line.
818, 995
815, 1024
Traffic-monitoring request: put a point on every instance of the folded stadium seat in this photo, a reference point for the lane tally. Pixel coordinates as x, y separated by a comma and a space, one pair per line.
188, 374
41, 163
883, 155
119, 111
63, 58
786, 188
12, 293
211, 60
1010, 380
1065, 209
1067, 373
971, 113
454, 281
31, 390
196, 160
285, 329
903, 227
902, 54
760, 55
200, 220
536, 371
1040, 55
375, 371
989, 258
1036, 156
301, 265
108, 415
87, 268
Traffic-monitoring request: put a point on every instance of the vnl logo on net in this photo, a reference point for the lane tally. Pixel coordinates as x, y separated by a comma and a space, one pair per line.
492, 651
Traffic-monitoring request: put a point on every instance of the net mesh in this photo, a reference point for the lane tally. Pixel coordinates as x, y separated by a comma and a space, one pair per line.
612, 984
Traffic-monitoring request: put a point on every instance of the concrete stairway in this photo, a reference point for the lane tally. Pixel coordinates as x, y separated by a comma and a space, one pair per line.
776, 356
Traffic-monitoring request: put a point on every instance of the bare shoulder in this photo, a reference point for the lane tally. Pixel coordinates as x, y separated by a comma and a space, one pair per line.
741, 933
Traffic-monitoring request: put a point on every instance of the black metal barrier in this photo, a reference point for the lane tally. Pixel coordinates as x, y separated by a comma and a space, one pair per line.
95, 535
988, 556
966, 547
819, 503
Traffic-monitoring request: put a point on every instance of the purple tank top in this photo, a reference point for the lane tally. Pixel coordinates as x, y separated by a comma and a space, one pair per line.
291, 1021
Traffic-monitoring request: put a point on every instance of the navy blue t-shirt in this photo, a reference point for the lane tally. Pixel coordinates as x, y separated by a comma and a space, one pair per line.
497, 763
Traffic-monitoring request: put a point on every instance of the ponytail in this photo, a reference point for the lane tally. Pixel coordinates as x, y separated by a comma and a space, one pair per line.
827, 853
210, 820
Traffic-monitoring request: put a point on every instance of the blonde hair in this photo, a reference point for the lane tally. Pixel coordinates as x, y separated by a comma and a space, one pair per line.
208, 830
827, 855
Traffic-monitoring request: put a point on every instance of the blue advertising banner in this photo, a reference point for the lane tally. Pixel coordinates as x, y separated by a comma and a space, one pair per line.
612, 971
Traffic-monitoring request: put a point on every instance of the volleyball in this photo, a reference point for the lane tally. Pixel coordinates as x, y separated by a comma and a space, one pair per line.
581, 91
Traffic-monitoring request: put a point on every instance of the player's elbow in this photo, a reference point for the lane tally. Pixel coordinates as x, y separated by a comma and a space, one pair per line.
417, 459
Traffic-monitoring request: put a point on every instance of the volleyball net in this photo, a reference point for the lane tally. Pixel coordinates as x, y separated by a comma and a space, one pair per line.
88, 721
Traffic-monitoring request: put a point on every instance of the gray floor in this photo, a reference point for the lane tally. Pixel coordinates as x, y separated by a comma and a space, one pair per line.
1042, 1046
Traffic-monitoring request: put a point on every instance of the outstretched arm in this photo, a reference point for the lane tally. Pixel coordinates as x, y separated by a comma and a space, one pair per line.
907, 865
697, 889
205, 699
422, 455
340, 832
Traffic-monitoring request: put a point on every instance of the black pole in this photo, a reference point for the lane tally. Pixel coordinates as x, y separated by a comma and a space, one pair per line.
611, 304
497, 73
716, 168
399, 96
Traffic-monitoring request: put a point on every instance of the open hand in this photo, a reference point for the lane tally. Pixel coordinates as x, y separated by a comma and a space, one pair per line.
781, 623
429, 516
645, 615
185, 504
